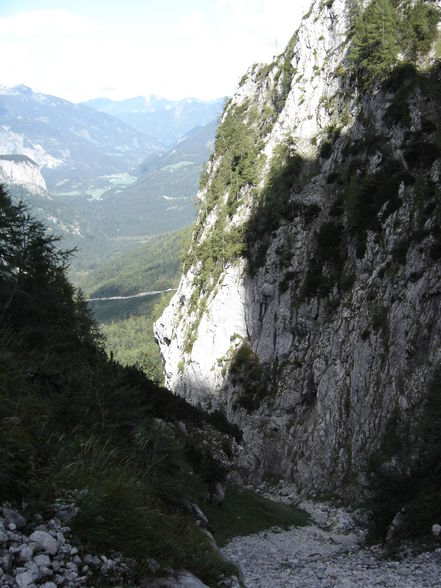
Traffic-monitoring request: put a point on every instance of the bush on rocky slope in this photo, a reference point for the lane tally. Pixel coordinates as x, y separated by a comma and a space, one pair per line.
75, 423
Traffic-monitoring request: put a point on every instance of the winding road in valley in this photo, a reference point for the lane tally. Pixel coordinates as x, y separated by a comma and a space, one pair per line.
140, 295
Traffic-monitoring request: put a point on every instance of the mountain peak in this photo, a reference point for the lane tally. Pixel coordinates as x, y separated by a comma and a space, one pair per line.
22, 89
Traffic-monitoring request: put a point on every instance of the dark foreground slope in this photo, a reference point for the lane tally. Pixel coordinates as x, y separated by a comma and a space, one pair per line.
74, 423
78, 428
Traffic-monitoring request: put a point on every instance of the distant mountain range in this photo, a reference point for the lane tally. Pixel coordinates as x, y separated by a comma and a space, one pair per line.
167, 120
94, 180
71, 142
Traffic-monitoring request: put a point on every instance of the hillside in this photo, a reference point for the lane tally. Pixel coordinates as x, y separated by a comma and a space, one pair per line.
23, 173
308, 308
151, 266
128, 324
161, 199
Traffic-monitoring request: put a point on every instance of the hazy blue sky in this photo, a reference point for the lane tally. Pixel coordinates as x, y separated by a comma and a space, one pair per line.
80, 49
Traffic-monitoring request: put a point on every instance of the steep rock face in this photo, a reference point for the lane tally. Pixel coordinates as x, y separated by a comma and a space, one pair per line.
309, 305
20, 170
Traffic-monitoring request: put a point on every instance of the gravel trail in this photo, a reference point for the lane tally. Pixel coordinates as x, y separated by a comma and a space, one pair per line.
327, 554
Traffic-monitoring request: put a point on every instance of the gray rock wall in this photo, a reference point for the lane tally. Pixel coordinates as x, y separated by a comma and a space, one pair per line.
326, 365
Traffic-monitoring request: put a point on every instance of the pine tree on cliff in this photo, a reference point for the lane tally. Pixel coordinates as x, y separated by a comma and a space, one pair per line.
375, 45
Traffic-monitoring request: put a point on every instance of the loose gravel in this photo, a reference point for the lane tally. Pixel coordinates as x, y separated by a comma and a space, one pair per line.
328, 553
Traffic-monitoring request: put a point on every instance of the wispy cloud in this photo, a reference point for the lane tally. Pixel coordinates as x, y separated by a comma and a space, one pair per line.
203, 54
44, 23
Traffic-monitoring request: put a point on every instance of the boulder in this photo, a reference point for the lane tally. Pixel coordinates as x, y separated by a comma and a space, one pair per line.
45, 541
14, 517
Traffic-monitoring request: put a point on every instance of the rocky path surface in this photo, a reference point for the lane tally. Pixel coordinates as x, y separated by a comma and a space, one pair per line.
327, 554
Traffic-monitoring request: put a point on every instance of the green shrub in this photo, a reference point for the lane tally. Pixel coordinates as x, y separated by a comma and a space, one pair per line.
274, 203
251, 378
246, 513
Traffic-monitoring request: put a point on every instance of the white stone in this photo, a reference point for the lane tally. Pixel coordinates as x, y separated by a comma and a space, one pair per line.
42, 560
24, 579
188, 580
45, 541
26, 553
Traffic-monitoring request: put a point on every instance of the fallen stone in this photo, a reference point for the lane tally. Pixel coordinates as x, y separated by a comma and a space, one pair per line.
45, 541
14, 517
42, 560
26, 553
436, 530
24, 579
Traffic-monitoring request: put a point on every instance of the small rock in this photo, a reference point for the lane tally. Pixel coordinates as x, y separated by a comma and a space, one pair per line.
26, 553
42, 560
49, 585
217, 495
436, 530
14, 517
3, 534
5, 561
12, 526
153, 565
187, 580
46, 542
24, 579
395, 526
104, 569
44, 572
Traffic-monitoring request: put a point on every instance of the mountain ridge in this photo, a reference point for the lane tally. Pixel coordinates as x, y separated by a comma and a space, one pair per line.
168, 120
68, 139
291, 309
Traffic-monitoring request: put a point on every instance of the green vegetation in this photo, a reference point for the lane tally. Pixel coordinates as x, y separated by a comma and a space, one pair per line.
127, 325
152, 266
252, 379
385, 29
405, 472
130, 341
274, 203
75, 423
245, 513
238, 141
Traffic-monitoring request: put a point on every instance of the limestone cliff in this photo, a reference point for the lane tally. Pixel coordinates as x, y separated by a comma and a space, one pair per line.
309, 306
21, 171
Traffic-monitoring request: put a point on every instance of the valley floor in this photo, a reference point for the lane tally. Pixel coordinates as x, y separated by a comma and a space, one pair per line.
327, 554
